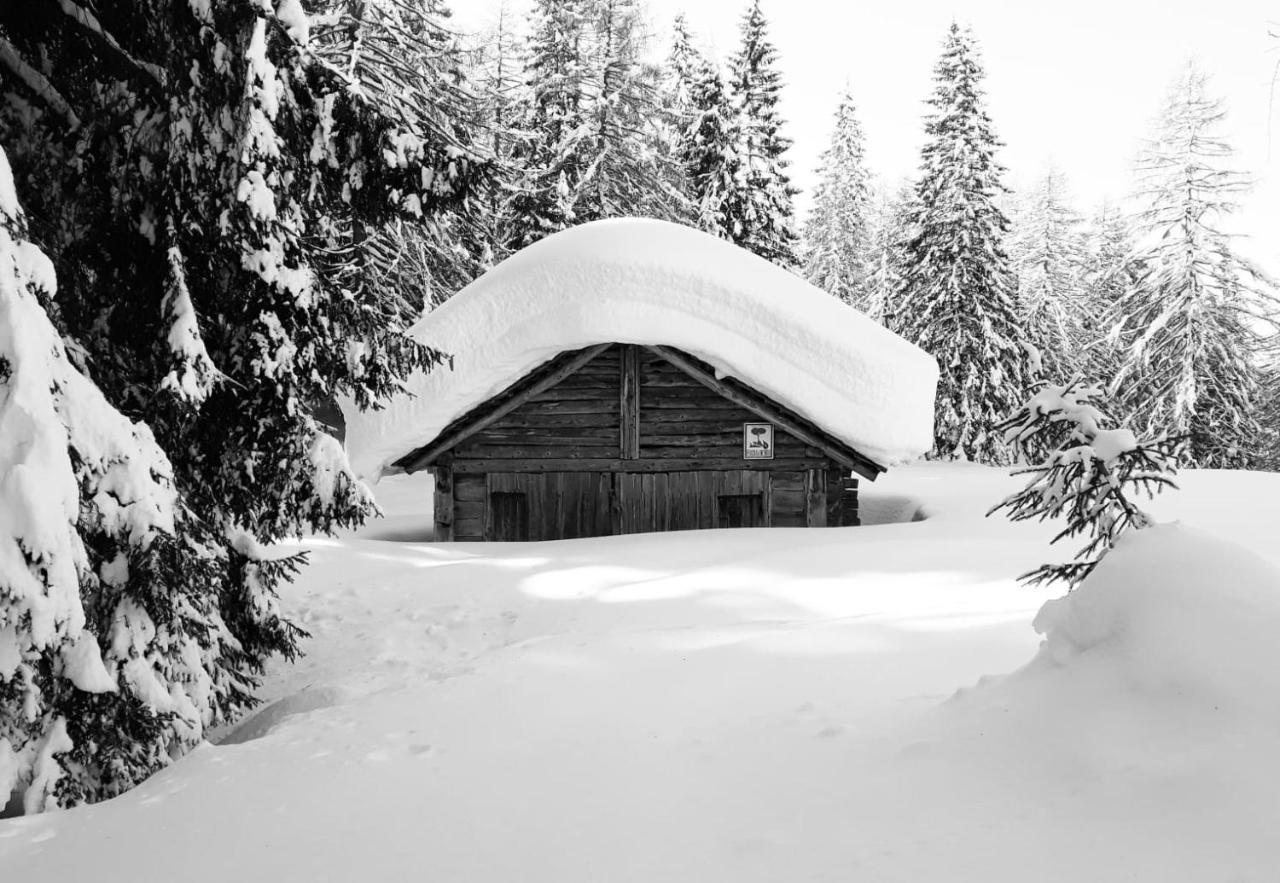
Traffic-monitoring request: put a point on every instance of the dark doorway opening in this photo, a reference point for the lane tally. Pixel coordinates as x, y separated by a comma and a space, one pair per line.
740, 510
510, 513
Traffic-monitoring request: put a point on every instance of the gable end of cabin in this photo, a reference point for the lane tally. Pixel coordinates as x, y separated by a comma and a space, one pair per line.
623, 438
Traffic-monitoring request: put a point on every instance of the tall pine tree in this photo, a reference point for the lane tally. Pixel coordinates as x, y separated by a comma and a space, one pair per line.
759, 211
1109, 270
890, 220
676, 115
550, 155
497, 74
836, 251
1047, 255
590, 134
628, 173
1184, 324
956, 299
707, 153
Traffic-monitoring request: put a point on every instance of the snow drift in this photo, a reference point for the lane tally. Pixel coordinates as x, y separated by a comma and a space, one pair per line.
653, 282
1174, 611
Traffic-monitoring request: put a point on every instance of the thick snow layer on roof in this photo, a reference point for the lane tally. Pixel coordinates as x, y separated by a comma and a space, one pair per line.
652, 282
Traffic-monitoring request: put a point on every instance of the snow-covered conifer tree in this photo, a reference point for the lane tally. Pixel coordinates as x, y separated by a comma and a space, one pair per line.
1046, 250
420, 261
1109, 269
204, 178
1184, 324
956, 299
1085, 474
628, 174
495, 73
759, 210
684, 62
114, 657
676, 115
708, 155
591, 123
550, 154
889, 229
836, 250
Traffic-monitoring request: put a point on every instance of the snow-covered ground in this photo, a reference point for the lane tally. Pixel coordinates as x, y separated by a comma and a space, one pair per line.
743, 706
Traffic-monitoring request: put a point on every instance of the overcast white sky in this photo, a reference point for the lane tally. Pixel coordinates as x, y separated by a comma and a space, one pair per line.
1072, 83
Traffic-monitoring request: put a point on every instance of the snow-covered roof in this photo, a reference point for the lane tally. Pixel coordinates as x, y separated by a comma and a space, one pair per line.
652, 282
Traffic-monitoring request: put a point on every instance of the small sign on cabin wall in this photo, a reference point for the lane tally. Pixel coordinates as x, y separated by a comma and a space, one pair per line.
757, 441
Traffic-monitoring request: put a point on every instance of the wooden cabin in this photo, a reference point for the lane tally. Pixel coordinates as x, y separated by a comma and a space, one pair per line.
634, 375
622, 438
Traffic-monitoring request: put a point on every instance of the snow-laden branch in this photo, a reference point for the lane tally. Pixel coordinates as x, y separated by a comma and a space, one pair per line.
89, 23
37, 83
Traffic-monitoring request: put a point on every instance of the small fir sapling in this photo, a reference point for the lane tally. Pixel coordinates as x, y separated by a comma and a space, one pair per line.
1090, 475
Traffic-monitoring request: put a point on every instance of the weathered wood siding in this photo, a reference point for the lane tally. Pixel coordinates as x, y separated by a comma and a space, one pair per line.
631, 443
679, 417
660, 501
578, 418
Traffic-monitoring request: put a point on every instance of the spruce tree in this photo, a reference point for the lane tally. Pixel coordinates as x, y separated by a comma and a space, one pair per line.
956, 299
836, 248
707, 154
1047, 256
890, 219
1086, 474
759, 209
684, 63
627, 173
676, 115
1184, 324
418, 262
550, 155
204, 181
1109, 269
496, 73
591, 125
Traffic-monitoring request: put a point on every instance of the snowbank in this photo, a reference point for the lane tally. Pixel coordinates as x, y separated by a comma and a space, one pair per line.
766, 705
652, 282
1173, 610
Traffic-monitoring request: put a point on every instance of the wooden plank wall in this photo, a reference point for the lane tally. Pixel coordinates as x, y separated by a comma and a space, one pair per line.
562, 505
679, 417
656, 447
659, 501
576, 419
470, 495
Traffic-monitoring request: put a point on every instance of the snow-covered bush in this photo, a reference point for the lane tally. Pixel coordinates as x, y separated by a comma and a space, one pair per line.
1089, 476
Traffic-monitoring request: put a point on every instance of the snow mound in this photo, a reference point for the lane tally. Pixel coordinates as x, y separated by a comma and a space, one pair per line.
652, 282
1175, 611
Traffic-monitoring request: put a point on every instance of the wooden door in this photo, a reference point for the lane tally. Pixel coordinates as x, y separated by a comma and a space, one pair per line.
509, 517
740, 510
556, 505
691, 500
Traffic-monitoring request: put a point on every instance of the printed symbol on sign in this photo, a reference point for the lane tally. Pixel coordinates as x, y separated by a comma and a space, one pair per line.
757, 441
